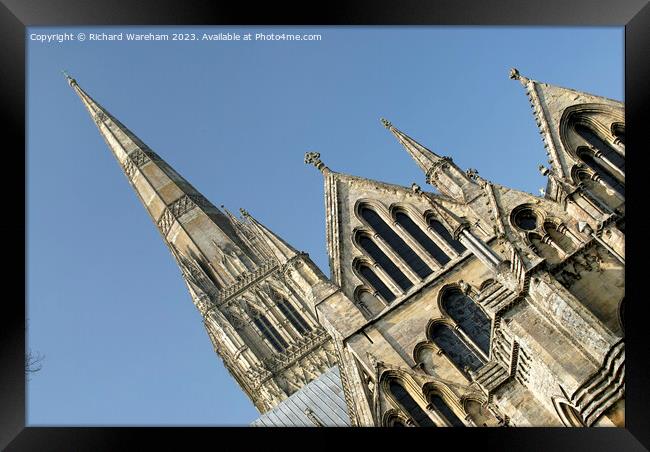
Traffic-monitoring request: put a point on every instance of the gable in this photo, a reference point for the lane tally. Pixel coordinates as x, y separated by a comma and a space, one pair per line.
345, 197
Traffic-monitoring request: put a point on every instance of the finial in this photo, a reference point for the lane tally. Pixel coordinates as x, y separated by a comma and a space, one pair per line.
70, 80
515, 75
313, 158
386, 123
544, 170
415, 188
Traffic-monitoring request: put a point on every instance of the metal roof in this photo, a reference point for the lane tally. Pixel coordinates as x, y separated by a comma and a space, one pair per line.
319, 403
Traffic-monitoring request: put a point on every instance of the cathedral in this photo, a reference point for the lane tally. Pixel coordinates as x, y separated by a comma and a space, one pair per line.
464, 304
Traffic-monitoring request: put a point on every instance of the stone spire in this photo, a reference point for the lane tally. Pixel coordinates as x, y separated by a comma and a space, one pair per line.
199, 231
440, 172
233, 271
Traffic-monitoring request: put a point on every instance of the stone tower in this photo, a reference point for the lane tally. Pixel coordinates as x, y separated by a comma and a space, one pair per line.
251, 287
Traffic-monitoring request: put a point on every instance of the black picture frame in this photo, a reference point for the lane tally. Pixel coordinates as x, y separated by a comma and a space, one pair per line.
16, 15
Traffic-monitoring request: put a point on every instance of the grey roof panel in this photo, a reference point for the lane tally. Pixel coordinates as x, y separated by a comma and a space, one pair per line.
323, 396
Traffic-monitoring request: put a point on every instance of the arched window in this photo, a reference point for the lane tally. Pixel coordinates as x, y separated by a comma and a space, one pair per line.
469, 317
395, 242
376, 283
270, 333
444, 233
296, 319
409, 405
418, 234
587, 156
561, 239
384, 262
598, 190
455, 349
444, 411
545, 250
608, 153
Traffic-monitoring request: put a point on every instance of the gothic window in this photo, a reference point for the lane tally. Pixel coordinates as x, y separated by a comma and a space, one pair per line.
376, 283
384, 262
395, 242
548, 251
410, 406
270, 333
608, 154
598, 190
296, 319
561, 239
444, 233
454, 348
587, 156
526, 219
418, 234
445, 411
469, 317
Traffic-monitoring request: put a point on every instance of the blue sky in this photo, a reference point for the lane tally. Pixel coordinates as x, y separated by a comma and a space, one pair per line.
106, 304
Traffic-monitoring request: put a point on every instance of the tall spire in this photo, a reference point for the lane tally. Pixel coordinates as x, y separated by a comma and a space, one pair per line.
183, 216
265, 333
440, 172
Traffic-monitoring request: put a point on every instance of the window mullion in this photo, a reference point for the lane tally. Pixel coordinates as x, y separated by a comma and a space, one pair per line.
396, 258
416, 247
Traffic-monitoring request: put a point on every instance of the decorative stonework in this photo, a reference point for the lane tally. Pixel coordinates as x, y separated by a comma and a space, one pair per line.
165, 222
100, 118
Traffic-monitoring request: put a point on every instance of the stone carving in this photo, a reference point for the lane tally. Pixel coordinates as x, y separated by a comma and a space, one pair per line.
139, 157
100, 117
165, 222
313, 158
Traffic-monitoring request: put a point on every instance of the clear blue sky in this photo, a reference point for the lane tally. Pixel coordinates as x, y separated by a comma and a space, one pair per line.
123, 343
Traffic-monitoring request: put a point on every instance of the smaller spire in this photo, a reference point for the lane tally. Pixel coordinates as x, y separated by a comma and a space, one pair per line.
425, 159
233, 219
313, 158
281, 249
